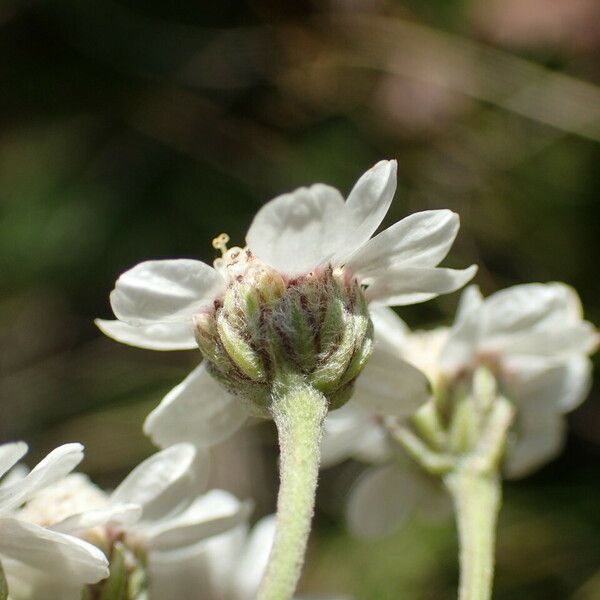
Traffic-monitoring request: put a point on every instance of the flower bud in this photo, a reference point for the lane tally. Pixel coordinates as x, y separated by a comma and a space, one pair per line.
265, 327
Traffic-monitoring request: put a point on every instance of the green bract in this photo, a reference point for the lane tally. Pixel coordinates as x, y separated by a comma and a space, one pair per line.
265, 328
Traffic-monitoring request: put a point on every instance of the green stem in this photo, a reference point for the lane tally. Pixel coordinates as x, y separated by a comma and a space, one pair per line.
477, 498
299, 411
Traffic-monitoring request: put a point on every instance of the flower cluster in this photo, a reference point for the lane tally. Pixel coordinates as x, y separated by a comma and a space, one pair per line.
293, 299
524, 350
40, 561
150, 527
296, 326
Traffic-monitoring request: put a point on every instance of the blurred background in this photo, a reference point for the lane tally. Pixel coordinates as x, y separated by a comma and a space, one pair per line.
133, 130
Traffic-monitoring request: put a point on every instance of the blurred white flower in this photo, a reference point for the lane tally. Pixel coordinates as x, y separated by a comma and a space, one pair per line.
228, 566
303, 232
225, 567
41, 562
533, 339
154, 510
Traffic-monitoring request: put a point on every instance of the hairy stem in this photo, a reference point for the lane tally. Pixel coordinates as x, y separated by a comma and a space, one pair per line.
477, 498
298, 411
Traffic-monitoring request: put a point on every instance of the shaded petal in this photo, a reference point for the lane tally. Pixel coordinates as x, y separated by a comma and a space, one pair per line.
402, 286
380, 500
198, 410
465, 335
10, 454
210, 514
420, 240
390, 330
59, 463
121, 514
153, 336
538, 438
296, 232
252, 562
154, 482
537, 318
470, 302
63, 556
560, 387
353, 431
389, 385
544, 340
18, 472
367, 205
165, 290
529, 305
206, 566
28, 583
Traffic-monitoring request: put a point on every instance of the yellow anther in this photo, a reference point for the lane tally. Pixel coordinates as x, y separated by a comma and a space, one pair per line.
220, 243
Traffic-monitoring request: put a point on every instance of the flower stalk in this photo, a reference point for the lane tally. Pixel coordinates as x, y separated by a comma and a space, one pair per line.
477, 498
299, 411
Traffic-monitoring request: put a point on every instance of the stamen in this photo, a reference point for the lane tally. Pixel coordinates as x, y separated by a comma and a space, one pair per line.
220, 243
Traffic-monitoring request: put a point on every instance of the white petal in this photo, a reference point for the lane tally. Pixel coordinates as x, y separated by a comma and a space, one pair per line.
154, 336
55, 466
380, 500
538, 438
121, 514
352, 431
536, 318
10, 454
253, 560
210, 514
401, 286
552, 341
390, 330
61, 555
198, 410
368, 204
390, 386
165, 291
18, 472
530, 304
207, 566
420, 240
470, 302
465, 335
560, 387
294, 233
154, 482
28, 583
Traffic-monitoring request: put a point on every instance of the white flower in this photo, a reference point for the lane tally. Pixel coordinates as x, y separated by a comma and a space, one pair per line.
40, 562
225, 567
154, 509
534, 340
229, 566
295, 234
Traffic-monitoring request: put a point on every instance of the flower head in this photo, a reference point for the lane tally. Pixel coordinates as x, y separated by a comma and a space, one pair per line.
523, 350
294, 297
41, 562
155, 509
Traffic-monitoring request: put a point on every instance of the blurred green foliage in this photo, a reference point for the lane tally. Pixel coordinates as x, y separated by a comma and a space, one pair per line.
135, 130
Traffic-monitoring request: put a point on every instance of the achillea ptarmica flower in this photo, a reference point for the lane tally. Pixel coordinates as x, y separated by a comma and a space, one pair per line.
295, 298
526, 347
40, 562
228, 566
155, 511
